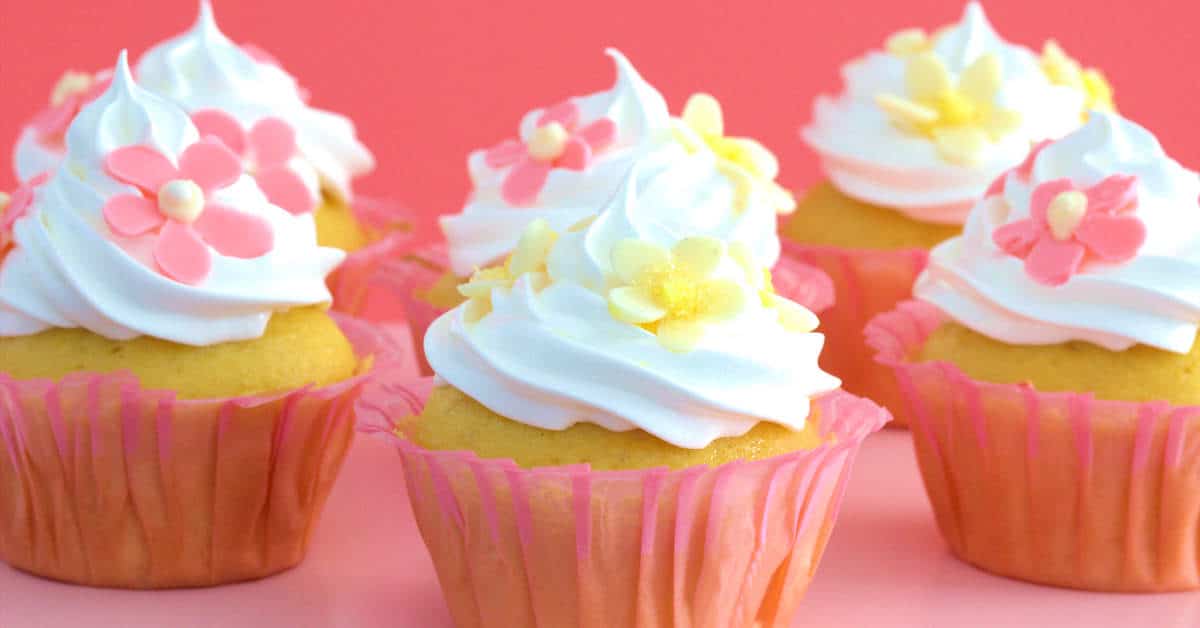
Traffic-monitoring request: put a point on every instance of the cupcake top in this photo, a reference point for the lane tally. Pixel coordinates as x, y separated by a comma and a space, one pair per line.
231, 91
147, 229
1096, 237
926, 124
629, 322
571, 157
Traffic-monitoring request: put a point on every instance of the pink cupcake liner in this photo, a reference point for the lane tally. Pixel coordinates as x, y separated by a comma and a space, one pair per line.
1055, 488
105, 483
867, 282
793, 279
734, 545
353, 280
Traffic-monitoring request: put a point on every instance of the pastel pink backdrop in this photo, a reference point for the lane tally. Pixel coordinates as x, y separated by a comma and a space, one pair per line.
427, 81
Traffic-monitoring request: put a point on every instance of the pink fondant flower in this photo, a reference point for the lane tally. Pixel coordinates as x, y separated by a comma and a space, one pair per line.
1068, 225
1024, 171
556, 142
17, 206
265, 151
70, 94
175, 204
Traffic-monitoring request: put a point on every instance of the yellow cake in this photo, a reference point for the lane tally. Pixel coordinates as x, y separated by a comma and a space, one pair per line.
453, 421
338, 227
300, 347
827, 217
1140, 373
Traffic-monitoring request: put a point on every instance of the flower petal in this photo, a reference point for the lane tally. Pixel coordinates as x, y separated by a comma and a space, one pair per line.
532, 248
284, 188
599, 135
698, 255
1025, 170
904, 112
142, 166
1043, 195
504, 154
233, 233
272, 141
576, 155
703, 113
130, 215
1017, 238
524, 182
722, 300
755, 157
565, 113
181, 255
795, 317
1112, 238
1113, 195
631, 258
680, 336
221, 125
782, 200
960, 145
210, 164
634, 305
926, 76
1053, 262
1001, 122
982, 79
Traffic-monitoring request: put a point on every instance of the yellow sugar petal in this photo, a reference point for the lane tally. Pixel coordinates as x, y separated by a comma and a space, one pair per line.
1001, 122
687, 137
680, 336
539, 280
723, 300
703, 113
698, 256
755, 157
480, 288
476, 309
631, 258
795, 317
783, 200
981, 81
634, 305
906, 113
583, 224
960, 145
926, 76
533, 248
907, 42
1099, 91
741, 254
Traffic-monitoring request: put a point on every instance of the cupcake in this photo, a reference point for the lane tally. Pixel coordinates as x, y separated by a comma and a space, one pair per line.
175, 402
628, 427
302, 157
570, 159
1050, 365
919, 132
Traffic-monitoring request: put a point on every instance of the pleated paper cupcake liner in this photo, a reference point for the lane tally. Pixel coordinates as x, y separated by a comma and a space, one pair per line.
414, 274
104, 483
1054, 488
557, 547
867, 282
392, 224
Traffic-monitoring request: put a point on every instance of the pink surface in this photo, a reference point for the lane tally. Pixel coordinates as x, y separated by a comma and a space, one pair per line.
885, 566
428, 81
367, 567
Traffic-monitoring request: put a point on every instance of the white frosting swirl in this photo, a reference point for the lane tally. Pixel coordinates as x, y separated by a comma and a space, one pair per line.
488, 227
870, 159
203, 69
1154, 299
555, 357
66, 270
31, 157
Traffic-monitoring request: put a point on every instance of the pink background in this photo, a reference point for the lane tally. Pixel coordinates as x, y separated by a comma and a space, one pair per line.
427, 81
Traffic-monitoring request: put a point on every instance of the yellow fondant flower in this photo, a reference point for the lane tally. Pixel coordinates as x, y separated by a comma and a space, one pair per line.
1061, 69
672, 293
961, 118
792, 315
745, 161
528, 258
909, 41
